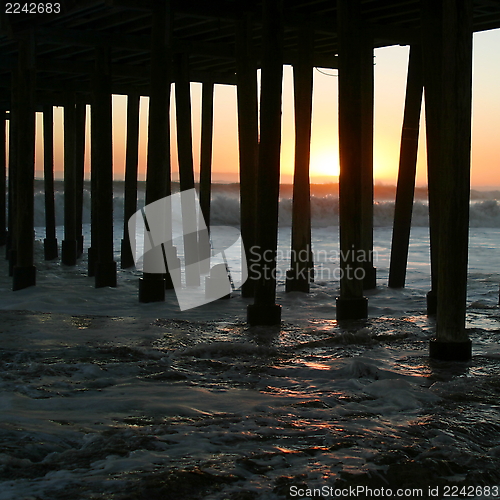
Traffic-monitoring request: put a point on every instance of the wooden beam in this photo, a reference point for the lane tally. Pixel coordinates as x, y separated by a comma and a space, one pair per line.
367, 110
94, 162
152, 284
186, 170
432, 40
136, 43
69, 244
351, 304
50, 241
452, 340
10, 253
3, 181
248, 125
131, 168
407, 170
318, 60
24, 272
227, 11
141, 86
298, 277
92, 38
264, 310
206, 146
392, 33
102, 124
140, 72
80, 136
222, 9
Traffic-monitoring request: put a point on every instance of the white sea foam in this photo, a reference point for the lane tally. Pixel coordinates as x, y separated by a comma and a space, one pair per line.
324, 210
101, 394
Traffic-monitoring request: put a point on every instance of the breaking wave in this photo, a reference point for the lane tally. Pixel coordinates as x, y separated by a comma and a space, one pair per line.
325, 209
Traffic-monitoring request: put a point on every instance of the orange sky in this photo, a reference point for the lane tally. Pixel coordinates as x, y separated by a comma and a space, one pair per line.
390, 81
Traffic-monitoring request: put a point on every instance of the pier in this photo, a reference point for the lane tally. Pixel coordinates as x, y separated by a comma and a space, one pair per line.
89, 50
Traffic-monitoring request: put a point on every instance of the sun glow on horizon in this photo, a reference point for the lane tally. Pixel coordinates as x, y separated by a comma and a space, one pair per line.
325, 163
390, 84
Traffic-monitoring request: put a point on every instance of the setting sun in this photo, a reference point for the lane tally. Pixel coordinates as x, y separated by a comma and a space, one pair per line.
325, 164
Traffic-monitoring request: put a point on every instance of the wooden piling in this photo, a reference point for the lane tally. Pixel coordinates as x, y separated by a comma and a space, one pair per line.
24, 272
105, 266
80, 133
69, 245
207, 126
10, 248
264, 310
152, 285
50, 240
92, 251
298, 277
246, 88
452, 341
131, 167
432, 41
3, 180
351, 304
407, 170
367, 104
186, 170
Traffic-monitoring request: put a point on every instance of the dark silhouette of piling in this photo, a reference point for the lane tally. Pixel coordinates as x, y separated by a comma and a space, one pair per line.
10, 248
69, 245
246, 88
3, 181
207, 128
367, 105
407, 169
298, 277
351, 304
152, 284
105, 266
92, 251
186, 170
50, 240
452, 341
264, 310
24, 271
131, 166
80, 134
432, 41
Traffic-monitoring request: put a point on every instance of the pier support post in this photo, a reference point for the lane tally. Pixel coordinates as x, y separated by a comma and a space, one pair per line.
246, 88
10, 248
3, 180
407, 169
207, 121
186, 170
80, 131
50, 240
131, 166
264, 310
24, 272
152, 285
298, 277
367, 103
432, 41
452, 341
105, 266
92, 251
351, 304
69, 244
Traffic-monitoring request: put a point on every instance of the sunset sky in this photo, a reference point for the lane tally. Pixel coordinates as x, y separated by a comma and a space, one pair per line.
390, 82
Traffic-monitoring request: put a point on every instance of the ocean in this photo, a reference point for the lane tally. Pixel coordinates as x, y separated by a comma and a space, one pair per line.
105, 398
